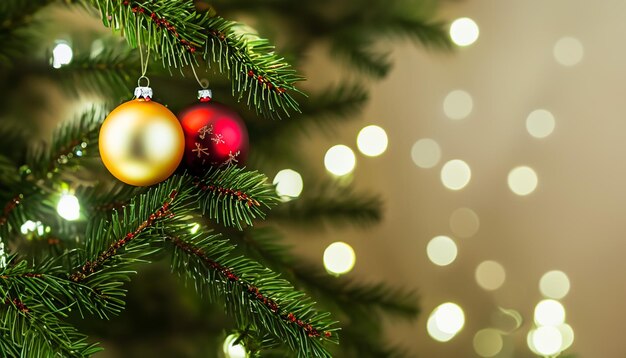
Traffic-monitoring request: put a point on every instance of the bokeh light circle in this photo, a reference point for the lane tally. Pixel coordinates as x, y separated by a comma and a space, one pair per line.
568, 51
458, 104
339, 258
464, 31
522, 180
464, 222
488, 342
339, 160
490, 275
441, 250
372, 141
540, 123
554, 284
426, 153
549, 313
455, 174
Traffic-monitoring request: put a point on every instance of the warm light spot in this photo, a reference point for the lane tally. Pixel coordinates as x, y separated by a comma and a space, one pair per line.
549, 313
545, 341
194, 229
3, 256
435, 332
490, 275
568, 51
68, 207
522, 180
339, 258
372, 141
441, 250
567, 333
232, 349
540, 123
426, 153
61, 54
97, 47
488, 342
554, 284
458, 104
449, 318
340, 160
464, 222
455, 174
32, 226
288, 184
464, 31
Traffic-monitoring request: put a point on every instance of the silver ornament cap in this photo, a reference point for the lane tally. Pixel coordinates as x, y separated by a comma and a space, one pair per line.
206, 94
143, 92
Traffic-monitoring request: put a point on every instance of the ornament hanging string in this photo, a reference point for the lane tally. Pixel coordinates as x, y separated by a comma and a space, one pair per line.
204, 83
205, 94
144, 64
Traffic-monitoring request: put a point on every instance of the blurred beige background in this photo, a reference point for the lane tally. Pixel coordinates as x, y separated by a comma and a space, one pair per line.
573, 221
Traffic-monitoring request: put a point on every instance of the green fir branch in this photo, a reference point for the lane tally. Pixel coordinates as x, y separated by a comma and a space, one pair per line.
14, 144
330, 204
177, 33
354, 300
322, 111
359, 306
235, 197
15, 18
107, 74
255, 296
73, 142
26, 331
360, 55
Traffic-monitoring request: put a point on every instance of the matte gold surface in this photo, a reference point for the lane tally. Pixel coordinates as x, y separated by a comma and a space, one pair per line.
141, 142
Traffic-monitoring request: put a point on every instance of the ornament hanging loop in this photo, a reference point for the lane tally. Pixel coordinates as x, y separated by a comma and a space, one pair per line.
143, 78
204, 83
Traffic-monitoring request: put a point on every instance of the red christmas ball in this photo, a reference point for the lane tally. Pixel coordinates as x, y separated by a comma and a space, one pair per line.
215, 136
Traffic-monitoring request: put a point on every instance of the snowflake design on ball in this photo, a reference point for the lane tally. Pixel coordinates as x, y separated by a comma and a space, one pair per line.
218, 139
200, 150
232, 158
202, 132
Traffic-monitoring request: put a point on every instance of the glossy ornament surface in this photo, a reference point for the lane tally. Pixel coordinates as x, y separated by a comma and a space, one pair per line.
215, 136
141, 142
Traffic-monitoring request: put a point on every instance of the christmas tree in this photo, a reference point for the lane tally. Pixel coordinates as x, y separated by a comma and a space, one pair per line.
195, 264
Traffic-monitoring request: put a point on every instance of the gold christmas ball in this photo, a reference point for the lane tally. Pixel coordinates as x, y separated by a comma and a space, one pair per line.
141, 142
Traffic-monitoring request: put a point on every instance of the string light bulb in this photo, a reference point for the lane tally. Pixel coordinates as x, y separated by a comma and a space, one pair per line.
232, 349
68, 207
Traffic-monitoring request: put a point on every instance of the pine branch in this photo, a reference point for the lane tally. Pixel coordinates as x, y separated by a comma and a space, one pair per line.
253, 294
15, 17
322, 111
72, 142
26, 198
256, 297
330, 204
15, 12
234, 197
359, 305
14, 144
24, 330
355, 300
37, 297
108, 73
358, 52
176, 32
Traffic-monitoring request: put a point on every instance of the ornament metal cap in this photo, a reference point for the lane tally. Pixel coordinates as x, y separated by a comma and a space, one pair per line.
143, 92
205, 94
